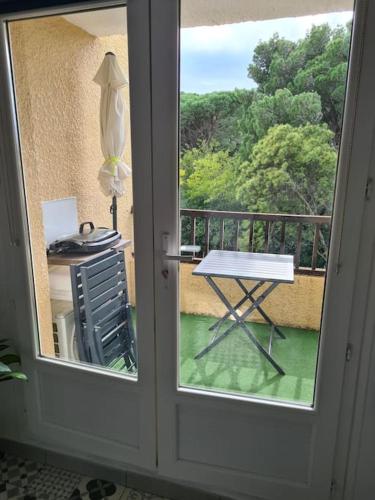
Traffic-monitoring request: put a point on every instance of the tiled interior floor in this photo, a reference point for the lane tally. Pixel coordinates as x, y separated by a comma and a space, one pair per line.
24, 479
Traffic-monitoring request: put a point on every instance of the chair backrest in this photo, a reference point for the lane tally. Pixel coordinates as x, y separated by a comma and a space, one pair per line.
102, 310
79, 307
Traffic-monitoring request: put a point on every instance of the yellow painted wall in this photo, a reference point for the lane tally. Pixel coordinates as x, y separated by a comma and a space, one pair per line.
298, 305
58, 107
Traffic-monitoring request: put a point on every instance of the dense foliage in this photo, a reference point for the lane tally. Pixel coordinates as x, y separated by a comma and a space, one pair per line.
317, 63
291, 170
281, 108
273, 148
214, 117
209, 180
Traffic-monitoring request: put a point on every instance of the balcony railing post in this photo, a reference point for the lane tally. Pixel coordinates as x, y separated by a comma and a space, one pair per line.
192, 230
207, 234
282, 238
251, 235
238, 228
221, 237
267, 236
297, 256
314, 256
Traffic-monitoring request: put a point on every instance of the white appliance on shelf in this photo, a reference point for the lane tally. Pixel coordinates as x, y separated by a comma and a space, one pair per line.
60, 286
64, 337
60, 218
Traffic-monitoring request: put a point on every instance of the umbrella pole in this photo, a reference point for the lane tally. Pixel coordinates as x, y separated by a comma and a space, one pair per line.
114, 213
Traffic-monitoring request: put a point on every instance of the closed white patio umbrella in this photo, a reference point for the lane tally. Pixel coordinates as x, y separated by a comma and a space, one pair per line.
112, 130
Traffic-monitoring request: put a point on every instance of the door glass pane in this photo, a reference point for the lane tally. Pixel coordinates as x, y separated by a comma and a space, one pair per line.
261, 103
72, 93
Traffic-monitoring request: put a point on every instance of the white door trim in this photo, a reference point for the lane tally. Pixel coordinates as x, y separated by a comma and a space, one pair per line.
357, 373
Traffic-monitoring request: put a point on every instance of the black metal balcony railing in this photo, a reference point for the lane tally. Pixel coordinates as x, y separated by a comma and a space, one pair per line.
304, 236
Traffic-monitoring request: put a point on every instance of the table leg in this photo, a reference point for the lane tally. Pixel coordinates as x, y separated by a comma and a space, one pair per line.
270, 341
249, 295
262, 350
240, 321
239, 304
216, 340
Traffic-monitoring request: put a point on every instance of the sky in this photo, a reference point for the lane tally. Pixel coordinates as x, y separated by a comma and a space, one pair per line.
216, 57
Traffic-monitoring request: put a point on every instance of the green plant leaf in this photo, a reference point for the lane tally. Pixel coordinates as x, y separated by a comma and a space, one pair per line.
3, 346
13, 375
9, 358
4, 340
4, 368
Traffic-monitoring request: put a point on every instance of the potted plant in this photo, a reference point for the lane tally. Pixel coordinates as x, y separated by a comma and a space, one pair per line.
9, 363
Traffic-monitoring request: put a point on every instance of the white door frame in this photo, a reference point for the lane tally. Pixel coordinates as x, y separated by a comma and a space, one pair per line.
128, 436
184, 409
359, 379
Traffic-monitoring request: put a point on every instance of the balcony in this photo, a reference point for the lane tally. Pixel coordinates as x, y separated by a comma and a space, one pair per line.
305, 237
234, 366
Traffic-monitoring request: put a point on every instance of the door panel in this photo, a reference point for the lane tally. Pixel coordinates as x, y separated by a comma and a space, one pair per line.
231, 442
64, 188
80, 409
244, 447
249, 188
110, 423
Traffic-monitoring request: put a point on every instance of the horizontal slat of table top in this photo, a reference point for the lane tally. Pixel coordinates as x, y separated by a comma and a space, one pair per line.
247, 265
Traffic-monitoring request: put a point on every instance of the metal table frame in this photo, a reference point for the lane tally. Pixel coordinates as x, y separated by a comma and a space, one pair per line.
239, 319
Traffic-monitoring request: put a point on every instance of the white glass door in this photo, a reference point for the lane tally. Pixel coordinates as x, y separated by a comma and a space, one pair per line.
253, 117
231, 385
75, 100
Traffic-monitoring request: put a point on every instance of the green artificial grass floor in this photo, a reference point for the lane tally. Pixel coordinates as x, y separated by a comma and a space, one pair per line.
236, 366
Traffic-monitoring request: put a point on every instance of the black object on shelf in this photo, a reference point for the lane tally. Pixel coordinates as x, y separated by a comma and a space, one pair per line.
91, 241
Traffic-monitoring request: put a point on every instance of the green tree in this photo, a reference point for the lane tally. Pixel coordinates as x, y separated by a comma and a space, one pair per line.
208, 179
326, 75
272, 67
317, 63
212, 118
292, 170
282, 108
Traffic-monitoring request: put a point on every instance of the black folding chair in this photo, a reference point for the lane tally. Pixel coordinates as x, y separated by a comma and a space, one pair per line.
105, 333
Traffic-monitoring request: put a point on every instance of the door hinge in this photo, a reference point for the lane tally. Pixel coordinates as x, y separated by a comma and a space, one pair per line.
369, 189
333, 487
348, 352
338, 267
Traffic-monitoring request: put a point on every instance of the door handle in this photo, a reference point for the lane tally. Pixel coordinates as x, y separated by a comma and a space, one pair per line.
170, 256
180, 258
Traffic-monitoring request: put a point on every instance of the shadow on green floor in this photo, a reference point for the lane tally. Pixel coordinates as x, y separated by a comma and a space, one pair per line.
236, 366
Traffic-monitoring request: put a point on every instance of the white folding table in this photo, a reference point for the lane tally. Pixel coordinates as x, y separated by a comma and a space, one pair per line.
264, 269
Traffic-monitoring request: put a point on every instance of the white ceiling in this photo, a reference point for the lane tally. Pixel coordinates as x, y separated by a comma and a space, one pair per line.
211, 12
103, 22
